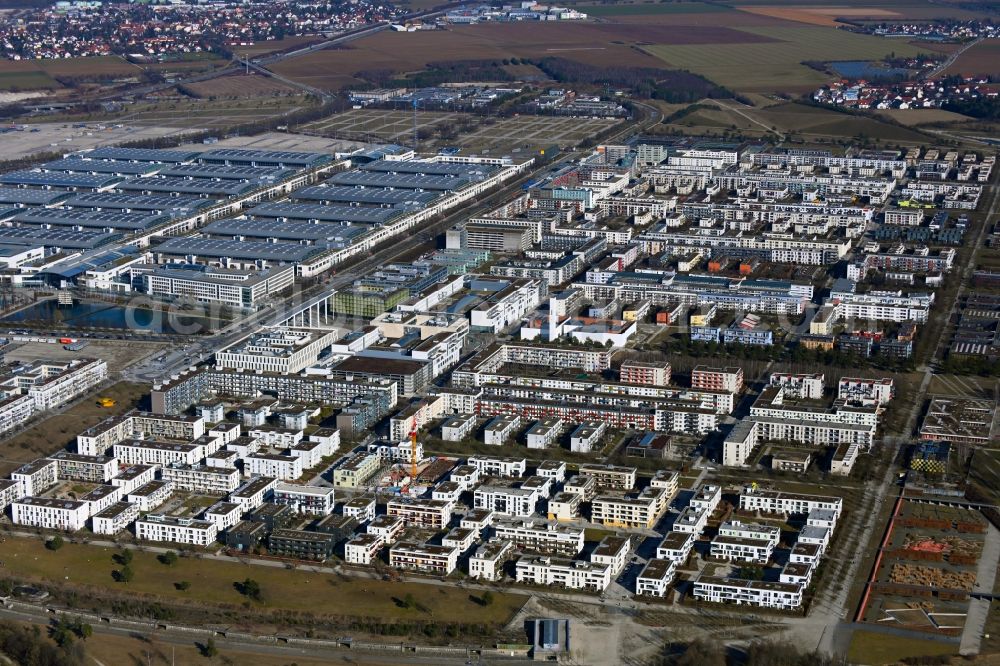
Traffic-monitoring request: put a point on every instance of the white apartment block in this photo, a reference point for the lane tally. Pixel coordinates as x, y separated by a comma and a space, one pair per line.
505, 500
488, 560
151, 495
93, 469
114, 519
202, 479
363, 549
783, 596
223, 514
134, 476
278, 438
312, 500
629, 512
809, 385
137, 452
552, 469
655, 579
254, 492
356, 470
610, 476
176, 530
361, 508
52, 514
100, 498
460, 538
447, 491
666, 480
10, 491
564, 506
286, 468
501, 467
57, 384
586, 435
501, 429
426, 558
432, 514
613, 552
509, 305
706, 497
96, 441
15, 410
387, 528
676, 547
772, 501
691, 521
280, 350
540, 536
37, 476
477, 519
875, 391
732, 548
568, 574
584, 486
458, 427
543, 434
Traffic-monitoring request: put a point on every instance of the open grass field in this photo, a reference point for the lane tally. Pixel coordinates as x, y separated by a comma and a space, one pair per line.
240, 86
916, 117
185, 113
521, 133
212, 583
777, 65
983, 58
42, 74
876, 648
57, 431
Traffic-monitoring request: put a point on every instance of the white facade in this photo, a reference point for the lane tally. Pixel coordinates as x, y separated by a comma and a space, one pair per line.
53, 514
202, 479
176, 530
313, 500
569, 574
115, 518
503, 467
287, 468
505, 500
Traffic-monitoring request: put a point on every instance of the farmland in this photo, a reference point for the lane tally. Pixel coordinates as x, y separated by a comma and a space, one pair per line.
479, 135
43, 74
241, 86
777, 66
982, 58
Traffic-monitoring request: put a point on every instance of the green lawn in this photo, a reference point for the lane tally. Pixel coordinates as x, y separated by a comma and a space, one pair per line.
212, 582
777, 65
17, 81
874, 649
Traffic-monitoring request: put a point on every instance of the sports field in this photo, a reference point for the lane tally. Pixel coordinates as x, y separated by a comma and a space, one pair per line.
474, 133
777, 65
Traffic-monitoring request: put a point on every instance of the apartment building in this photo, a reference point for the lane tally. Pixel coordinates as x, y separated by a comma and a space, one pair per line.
655, 579
279, 350
506, 500
301, 545
134, 476
312, 500
543, 433
224, 514
641, 511
114, 518
361, 508
808, 386
100, 498
10, 490
691, 521
425, 558
568, 574
15, 410
584, 486
150, 495
202, 479
98, 439
676, 547
429, 513
285, 468
52, 514
363, 549
564, 506
639, 372
499, 467
506, 302
773, 501
144, 452
586, 436
539, 536
717, 379
706, 497
254, 492
552, 469
613, 552
666, 480
388, 528
155, 527
37, 476
488, 560
736, 541
501, 429
92, 469
783, 596
356, 471
610, 477
460, 538
866, 391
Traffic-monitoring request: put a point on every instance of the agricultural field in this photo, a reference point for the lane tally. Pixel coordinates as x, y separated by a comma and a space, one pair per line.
916, 117
475, 134
982, 58
43, 74
241, 86
646, 9
776, 64
185, 112
212, 582
805, 122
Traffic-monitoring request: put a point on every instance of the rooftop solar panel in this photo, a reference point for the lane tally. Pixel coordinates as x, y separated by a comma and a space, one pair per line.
368, 215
